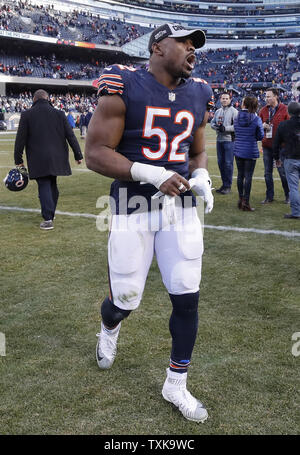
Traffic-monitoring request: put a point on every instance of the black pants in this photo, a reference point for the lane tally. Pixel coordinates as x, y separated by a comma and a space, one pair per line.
268, 164
48, 194
245, 169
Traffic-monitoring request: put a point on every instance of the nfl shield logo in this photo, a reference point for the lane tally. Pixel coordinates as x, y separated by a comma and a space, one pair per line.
172, 96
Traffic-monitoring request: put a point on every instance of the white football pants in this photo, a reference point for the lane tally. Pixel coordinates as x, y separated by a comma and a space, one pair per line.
135, 238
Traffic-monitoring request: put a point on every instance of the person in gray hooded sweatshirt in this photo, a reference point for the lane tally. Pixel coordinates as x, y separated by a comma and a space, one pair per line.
248, 129
222, 123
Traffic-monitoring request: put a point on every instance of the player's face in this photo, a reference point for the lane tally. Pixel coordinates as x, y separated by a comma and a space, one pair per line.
179, 55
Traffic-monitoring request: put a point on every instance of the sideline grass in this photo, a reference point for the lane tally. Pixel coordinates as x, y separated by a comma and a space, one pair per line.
52, 284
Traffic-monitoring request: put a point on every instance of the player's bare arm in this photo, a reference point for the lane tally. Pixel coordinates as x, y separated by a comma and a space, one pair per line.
104, 134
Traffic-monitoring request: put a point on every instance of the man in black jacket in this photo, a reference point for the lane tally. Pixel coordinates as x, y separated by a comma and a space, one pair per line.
45, 131
288, 137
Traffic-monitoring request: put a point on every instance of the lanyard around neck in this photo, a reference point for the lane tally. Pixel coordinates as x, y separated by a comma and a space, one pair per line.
271, 115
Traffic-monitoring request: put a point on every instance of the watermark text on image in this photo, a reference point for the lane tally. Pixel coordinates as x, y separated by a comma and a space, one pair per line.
296, 346
2, 344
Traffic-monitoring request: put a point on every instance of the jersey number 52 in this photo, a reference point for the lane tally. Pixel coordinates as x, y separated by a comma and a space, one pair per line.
150, 130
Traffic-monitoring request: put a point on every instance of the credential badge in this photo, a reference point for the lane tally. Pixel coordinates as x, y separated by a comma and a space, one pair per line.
172, 96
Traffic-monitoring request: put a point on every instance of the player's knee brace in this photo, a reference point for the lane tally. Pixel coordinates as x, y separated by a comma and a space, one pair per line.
111, 314
185, 305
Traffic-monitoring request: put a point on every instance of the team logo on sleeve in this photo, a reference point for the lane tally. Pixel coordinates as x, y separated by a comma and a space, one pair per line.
211, 103
109, 84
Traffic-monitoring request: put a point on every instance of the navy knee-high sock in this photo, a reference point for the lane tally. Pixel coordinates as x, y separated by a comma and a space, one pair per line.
111, 314
183, 328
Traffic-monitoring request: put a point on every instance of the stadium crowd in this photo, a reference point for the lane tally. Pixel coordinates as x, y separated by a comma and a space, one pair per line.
79, 25
258, 10
50, 66
275, 65
87, 25
68, 102
75, 102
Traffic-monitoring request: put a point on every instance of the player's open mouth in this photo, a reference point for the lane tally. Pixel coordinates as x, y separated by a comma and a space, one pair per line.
191, 61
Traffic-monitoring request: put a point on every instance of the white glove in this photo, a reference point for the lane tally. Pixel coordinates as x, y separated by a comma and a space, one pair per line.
168, 208
201, 183
147, 173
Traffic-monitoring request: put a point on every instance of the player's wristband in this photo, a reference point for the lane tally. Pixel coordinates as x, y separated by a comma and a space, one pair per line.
156, 175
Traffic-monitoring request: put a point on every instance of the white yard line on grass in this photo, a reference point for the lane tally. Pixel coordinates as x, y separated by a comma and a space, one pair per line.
235, 177
58, 212
88, 170
206, 226
254, 230
212, 175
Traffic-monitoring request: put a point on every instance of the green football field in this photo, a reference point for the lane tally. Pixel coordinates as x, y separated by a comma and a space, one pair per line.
52, 284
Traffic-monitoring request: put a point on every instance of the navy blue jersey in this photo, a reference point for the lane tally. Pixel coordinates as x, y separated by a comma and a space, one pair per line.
159, 124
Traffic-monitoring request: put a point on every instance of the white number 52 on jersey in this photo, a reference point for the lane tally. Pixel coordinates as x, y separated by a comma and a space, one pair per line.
150, 130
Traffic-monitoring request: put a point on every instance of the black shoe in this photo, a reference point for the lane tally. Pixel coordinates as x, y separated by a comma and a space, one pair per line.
220, 189
267, 201
290, 216
225, 191
287, 200
240, 203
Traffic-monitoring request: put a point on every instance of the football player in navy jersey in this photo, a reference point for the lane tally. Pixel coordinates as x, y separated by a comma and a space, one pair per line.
147, 133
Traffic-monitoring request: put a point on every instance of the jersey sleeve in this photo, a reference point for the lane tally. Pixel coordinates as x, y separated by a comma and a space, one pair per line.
113, 81
207, 93
210, 103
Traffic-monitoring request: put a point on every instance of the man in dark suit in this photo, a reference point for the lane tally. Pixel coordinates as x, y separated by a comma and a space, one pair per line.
45, 131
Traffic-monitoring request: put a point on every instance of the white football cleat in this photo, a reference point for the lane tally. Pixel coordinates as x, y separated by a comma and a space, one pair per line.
106, 348
175, 391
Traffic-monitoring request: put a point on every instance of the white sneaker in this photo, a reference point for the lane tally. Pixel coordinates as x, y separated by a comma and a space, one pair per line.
175, 391
106, 348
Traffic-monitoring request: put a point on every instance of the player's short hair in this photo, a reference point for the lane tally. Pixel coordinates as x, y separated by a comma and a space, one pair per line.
251, 103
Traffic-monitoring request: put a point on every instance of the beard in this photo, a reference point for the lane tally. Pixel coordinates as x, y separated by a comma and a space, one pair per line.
186, 74
181, 73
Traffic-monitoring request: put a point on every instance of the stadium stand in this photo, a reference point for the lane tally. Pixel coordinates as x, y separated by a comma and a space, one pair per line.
81, 25
97, 24
275, 64
55, 43
73, 102
249, 65
228, 8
